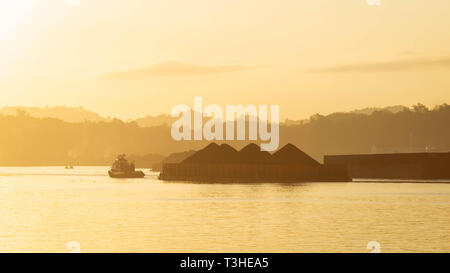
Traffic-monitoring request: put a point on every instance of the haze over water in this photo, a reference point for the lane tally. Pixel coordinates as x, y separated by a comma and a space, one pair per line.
44, 208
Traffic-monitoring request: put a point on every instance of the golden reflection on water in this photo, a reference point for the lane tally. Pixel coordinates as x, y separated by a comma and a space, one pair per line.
43, 209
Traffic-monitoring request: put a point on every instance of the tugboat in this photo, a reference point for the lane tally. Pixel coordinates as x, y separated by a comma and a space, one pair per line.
122, 169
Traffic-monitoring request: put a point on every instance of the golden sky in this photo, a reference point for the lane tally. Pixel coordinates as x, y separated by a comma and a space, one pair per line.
130, 58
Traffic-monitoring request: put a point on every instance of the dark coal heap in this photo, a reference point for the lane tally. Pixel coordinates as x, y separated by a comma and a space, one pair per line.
250, 154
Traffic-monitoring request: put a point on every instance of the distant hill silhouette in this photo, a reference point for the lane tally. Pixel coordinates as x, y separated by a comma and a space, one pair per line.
79, 114
27, 140
150, 121
365, 111
370, 110
172, 158
178, 157
68, 114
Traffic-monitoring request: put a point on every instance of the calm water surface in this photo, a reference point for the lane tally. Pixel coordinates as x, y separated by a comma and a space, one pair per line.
42, 209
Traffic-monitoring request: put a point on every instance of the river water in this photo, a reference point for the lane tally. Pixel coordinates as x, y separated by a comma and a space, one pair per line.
50, 209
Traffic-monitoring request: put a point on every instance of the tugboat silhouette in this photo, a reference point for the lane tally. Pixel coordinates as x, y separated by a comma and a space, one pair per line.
122, 169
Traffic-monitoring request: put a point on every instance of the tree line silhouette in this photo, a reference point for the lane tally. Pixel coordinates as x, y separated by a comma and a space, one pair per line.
28, 141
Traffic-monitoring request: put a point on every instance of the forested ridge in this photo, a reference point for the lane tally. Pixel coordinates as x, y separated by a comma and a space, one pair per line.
25, 140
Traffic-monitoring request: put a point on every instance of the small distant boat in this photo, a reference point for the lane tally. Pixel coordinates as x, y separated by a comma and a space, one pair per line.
69, 167
122, 169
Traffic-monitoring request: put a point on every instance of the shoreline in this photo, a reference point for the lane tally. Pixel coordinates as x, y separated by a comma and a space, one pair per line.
73, 172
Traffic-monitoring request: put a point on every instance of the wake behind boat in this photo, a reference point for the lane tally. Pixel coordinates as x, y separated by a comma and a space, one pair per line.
122, 169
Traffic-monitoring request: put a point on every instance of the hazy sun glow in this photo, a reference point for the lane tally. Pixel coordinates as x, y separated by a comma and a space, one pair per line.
13, 13
307, 56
